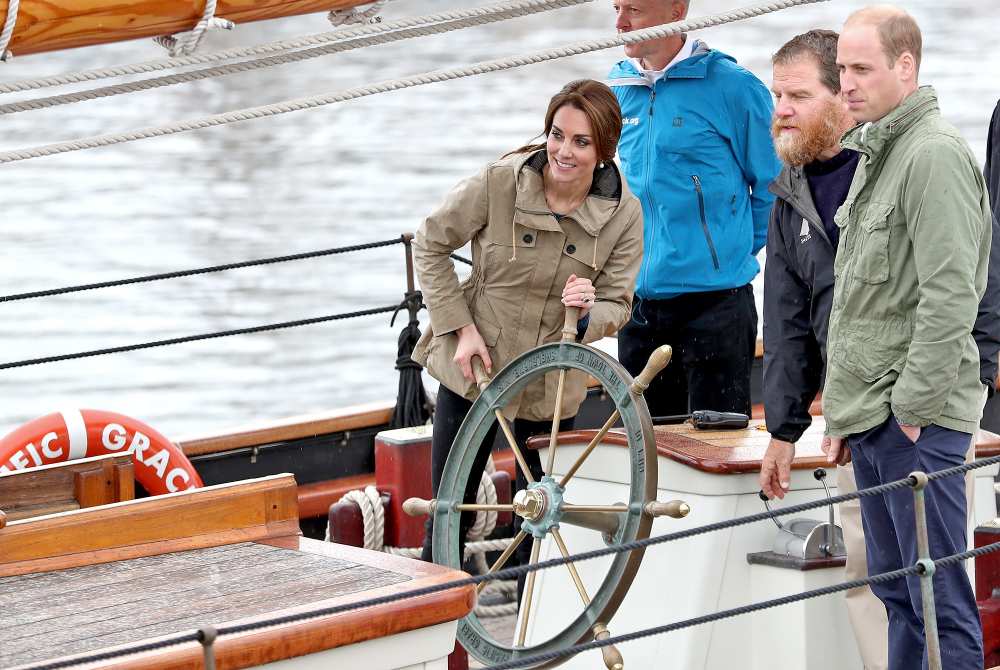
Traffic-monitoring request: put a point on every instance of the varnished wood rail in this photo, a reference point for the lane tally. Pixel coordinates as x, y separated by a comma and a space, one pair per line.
252, 510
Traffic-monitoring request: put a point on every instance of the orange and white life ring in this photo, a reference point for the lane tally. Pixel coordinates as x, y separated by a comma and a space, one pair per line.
160, 465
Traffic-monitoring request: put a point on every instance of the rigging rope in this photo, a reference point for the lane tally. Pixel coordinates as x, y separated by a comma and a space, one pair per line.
501, 12
8, 28
188, 273
185, 44
483, 67
146, 67
195, 338
353, 15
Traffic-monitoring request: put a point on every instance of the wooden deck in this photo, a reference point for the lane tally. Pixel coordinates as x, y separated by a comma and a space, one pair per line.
134, 572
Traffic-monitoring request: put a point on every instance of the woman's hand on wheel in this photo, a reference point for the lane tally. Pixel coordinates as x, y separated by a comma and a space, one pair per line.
470, 343
579, 292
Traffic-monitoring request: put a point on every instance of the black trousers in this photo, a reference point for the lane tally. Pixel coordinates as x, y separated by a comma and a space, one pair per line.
448, 416
713, 335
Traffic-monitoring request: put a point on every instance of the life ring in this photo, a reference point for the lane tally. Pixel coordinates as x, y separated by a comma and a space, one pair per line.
160, 465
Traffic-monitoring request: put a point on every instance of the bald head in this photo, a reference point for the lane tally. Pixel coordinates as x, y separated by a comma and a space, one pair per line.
898, 32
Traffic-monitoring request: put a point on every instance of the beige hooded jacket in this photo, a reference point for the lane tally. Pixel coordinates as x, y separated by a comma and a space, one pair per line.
521, 259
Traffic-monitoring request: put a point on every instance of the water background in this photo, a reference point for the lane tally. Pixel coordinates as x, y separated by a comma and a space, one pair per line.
344, 174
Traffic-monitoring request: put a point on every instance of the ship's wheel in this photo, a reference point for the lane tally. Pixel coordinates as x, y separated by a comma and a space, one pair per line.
548, 504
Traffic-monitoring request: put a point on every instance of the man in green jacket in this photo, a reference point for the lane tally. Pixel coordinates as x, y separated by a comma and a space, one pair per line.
902, 389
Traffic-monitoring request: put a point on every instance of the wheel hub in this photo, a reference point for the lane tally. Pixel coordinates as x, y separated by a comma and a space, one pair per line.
539, 506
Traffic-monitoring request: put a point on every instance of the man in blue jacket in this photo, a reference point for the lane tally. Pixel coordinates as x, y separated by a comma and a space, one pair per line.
696, 148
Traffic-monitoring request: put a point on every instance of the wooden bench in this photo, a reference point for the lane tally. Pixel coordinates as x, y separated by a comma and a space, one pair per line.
60, 487
140, 570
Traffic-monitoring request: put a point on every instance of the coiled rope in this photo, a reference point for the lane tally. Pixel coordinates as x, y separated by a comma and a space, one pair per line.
146, 67
501, 12
354, 16
369, 502
483, 67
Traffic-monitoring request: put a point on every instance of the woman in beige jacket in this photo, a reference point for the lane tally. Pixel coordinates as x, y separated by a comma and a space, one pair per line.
552, 225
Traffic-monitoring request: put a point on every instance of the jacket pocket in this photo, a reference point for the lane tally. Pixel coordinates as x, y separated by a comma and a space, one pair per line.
704, 220
872, 264
869, 360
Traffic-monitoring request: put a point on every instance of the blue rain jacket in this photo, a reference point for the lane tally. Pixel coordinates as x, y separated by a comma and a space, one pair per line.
696, 148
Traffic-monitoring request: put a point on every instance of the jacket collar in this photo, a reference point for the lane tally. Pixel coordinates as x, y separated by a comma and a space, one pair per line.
596, 210
693, 67
876, 137
792, 186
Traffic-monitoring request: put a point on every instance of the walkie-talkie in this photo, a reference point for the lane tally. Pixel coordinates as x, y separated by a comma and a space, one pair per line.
706, 419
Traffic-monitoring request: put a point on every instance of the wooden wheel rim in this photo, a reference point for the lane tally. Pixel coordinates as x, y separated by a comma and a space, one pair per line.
642, 458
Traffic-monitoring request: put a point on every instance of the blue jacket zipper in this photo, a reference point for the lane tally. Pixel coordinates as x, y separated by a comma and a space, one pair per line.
704, 221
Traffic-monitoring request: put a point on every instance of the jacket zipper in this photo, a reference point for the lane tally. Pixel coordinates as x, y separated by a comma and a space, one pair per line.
649, 196
704, 221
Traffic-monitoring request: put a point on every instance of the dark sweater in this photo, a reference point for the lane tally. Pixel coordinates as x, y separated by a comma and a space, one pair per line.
829, 182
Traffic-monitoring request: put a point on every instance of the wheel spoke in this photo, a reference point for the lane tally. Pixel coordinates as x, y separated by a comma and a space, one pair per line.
590, 447
502, 420
556, 419
572, 568
504, 557
536, 545
476, 507
607, 509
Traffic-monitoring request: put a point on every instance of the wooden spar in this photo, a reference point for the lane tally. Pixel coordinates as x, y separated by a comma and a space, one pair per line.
51, 25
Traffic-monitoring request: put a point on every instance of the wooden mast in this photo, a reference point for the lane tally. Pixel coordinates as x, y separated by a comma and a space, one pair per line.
50, 25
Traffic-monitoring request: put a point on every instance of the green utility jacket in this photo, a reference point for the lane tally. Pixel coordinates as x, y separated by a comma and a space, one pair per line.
909, 274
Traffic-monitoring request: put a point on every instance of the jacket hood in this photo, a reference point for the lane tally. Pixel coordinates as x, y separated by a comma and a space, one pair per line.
874, 137
792, 186
696, 66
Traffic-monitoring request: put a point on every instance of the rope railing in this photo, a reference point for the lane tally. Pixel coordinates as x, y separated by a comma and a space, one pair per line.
500, 12
198, 271
278, 46
483, 67
196, 338
518, 571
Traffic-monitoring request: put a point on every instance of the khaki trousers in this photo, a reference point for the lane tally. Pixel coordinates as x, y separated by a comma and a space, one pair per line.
866, 612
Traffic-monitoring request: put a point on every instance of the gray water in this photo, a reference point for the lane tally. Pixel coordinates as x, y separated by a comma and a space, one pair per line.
344, 174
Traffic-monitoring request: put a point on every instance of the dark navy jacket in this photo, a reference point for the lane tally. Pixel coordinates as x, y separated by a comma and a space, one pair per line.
798, 295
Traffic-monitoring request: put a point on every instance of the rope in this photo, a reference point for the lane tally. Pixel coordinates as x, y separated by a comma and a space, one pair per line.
185, 44
8, 29
195, 338
274, 47
471, 548
485, 521
198, 271
497, 13
372, 515
353, 16
483, 67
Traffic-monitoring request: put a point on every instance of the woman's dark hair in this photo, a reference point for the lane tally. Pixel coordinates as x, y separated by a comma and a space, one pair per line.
599, 105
